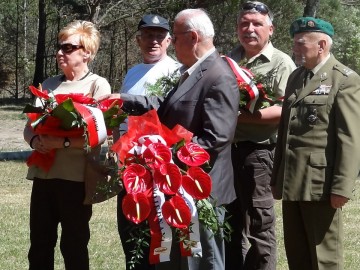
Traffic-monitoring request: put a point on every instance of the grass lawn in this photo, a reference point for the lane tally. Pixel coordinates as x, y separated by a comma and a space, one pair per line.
105, 249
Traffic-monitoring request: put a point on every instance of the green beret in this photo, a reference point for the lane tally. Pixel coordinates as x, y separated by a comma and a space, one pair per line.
310, 24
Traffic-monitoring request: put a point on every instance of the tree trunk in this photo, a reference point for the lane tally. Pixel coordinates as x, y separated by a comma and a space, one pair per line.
16, 94
40, 49
311, 8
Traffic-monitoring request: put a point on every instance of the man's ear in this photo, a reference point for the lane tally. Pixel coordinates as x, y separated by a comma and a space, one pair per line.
271, 30
168, 42
194, 37
322, 45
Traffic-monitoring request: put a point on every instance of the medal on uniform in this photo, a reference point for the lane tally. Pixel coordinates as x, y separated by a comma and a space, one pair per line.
312, 117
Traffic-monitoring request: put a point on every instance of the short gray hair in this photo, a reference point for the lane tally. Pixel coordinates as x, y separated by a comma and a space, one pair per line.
199, 21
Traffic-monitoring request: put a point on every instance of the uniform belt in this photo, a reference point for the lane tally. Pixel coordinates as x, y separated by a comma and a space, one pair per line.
255, 146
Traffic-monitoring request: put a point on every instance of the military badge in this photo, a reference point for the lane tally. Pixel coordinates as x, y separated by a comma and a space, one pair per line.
311, 23
323, 76
322, 90
312, 117
155, 20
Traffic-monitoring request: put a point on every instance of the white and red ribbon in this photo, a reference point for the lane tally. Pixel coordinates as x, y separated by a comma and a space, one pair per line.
94, 120
244, 76
161, 237
192, 245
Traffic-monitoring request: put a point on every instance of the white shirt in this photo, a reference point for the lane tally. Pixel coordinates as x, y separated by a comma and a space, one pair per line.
141, 74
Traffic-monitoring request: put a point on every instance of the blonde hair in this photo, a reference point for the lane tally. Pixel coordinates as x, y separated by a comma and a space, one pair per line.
89, 35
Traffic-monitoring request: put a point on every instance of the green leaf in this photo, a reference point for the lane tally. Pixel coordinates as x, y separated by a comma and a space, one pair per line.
66, 112
32, 109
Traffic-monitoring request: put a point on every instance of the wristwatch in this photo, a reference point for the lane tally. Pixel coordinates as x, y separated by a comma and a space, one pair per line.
66, 142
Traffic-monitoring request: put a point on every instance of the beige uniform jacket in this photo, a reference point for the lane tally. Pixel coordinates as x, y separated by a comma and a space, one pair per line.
318, 148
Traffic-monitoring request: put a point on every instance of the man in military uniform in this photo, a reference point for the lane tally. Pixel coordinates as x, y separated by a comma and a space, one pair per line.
317, 156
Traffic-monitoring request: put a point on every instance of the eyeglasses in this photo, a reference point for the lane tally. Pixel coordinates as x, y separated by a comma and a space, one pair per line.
68, 47
261, 8
173, 39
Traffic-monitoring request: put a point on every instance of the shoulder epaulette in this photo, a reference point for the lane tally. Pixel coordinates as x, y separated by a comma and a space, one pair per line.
344, 70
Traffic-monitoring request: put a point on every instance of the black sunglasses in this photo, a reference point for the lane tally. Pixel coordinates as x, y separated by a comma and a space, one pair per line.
261, 8
68, 47
258, 7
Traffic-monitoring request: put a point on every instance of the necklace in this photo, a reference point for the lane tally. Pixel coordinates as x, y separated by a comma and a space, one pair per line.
87, 74
83, 77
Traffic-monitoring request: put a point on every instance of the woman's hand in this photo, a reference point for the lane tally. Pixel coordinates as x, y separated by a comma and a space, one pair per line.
47, 143
41, 144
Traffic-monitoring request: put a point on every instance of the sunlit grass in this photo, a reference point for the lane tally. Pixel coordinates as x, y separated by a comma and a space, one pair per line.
351, 213
104, 247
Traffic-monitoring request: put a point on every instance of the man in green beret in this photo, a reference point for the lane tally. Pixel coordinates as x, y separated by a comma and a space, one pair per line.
317, 156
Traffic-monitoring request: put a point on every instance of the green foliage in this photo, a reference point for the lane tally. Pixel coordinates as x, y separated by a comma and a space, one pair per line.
208, 217
139, 236
117, 21
163, 85
113, 118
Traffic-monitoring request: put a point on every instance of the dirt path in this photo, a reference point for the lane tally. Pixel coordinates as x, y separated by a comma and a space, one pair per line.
12, 124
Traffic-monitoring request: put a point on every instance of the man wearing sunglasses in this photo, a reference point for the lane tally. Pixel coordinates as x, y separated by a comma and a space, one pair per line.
253, 242
153, 39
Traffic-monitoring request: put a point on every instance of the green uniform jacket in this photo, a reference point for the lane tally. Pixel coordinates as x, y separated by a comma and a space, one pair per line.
318, 147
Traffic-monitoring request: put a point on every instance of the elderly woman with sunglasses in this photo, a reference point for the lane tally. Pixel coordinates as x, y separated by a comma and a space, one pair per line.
58, 194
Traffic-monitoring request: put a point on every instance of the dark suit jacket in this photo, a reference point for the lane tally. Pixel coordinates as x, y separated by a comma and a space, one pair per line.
206, 104
318, 149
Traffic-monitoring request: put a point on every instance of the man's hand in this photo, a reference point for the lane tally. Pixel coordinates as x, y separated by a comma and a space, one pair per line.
109, 96
337, 201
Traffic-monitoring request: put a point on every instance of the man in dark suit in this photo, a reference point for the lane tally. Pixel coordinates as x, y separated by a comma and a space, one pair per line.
317, 156
206, 103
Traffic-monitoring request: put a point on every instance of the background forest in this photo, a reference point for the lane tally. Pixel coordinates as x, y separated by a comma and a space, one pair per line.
28, 33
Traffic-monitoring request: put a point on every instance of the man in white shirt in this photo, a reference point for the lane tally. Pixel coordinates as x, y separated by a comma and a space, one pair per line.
153, 39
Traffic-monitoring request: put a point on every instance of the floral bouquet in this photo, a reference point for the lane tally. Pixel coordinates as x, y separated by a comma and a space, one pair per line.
167, 186
70, 115
74, 115
255, 90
